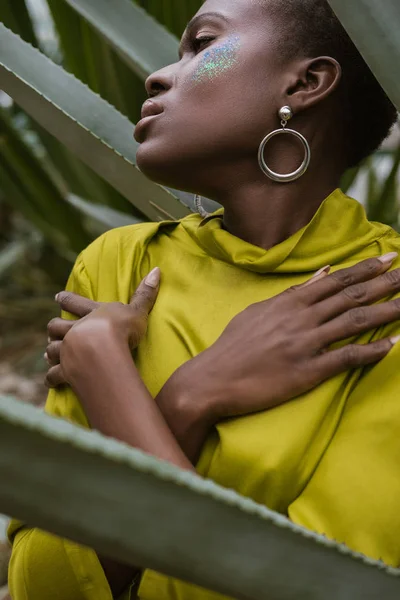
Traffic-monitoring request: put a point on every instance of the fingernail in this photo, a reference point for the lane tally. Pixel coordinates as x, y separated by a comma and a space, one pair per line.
395, 340
49, 340
56, 297
46, 356
323, 270
153, 278
387, 259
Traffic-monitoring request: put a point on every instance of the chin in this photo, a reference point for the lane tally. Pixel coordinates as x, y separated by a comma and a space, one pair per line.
159, 165
152, 163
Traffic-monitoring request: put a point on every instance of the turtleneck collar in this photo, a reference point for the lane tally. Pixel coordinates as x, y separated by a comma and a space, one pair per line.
338, 229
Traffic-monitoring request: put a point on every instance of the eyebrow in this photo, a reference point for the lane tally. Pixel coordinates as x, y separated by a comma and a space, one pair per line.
215, 15
193, 22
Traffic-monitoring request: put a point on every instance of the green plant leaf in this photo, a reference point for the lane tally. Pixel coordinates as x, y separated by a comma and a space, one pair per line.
174, 14
106, 217
152, 514
19, 199
384, 205
75, 176
11, 254
15, 16
374, 28
85, 123
350, 177
90, 58
36, 194
143, 43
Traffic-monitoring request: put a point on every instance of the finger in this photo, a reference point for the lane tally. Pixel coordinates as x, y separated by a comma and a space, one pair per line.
75, 304
338, 281
360, 294
146, 294
359, 320
352, 356
324, 272
54, 377
52, 354
58, 328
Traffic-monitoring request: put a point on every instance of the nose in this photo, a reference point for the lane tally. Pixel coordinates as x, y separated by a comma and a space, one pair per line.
160, 81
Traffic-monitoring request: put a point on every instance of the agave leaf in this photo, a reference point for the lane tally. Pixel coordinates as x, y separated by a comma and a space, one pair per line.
18, 198
85, 123
154, 515
75, 176
176, 13
372, 187
11, 254
85, 50
142, 42
69, 30
15, 16
374, 28
106, 217
36, 194
385, 205
350, 177
57, 256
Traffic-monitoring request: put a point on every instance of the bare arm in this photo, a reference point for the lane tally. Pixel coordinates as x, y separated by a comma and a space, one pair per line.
118, 404
113, 396
115, 399
187, 407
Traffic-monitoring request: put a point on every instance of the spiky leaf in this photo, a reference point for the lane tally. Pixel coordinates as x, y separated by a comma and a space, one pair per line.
374, 28
134, 508
89, 126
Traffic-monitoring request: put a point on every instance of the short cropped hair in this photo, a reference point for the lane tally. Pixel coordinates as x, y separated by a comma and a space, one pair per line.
312, 29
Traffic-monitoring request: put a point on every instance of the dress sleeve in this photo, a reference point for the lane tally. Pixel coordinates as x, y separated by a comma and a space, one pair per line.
44, 566
353, 496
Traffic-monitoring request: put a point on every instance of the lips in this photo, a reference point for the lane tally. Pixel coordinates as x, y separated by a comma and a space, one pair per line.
151, 108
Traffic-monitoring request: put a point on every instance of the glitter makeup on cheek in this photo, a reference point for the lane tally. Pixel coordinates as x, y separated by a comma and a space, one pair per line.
217, 60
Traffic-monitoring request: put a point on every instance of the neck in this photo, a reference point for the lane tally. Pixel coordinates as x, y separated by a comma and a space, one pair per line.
274, 213
265, 213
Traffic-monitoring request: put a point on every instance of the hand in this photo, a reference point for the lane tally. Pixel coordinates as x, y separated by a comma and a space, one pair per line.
278, 349
70, 341
81, 307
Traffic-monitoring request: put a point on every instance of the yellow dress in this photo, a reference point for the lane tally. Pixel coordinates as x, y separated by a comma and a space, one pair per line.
329, 459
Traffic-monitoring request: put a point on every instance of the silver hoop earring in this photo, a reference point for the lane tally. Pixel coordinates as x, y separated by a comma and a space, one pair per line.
200, 208
285, 115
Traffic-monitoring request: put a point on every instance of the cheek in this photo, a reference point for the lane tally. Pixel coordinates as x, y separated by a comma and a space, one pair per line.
230, 85
216, 62
221, 107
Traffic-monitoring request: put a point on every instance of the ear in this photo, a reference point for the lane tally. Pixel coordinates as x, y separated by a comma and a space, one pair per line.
311, 81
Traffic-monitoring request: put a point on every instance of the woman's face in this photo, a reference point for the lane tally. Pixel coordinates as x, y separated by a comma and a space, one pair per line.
218, 102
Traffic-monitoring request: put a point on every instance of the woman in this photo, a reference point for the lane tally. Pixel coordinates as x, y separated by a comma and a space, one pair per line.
231, 334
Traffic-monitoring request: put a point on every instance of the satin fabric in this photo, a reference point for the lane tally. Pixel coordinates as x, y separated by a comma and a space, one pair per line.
328, 459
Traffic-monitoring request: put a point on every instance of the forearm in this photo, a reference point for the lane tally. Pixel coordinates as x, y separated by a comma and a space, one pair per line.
185, 406
118, 404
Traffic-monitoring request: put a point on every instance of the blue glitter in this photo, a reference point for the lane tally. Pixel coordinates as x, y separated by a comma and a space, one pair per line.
217, 60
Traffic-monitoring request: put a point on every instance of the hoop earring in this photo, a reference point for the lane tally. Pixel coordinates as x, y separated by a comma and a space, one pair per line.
200, 208
285, 115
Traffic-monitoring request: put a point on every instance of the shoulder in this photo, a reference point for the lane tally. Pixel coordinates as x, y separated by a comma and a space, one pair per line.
111, 266
129, 240
117, 261
133, 240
